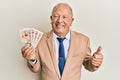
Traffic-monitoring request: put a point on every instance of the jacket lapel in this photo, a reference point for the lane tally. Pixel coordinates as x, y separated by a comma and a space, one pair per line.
52, 52
70, 52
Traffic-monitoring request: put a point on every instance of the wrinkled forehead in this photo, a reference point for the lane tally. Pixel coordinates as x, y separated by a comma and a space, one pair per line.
62, 8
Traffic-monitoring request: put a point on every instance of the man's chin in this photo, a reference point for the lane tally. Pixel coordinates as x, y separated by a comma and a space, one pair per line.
59, 32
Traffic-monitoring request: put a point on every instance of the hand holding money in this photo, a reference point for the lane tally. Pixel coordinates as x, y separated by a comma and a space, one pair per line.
28, 52
29, 38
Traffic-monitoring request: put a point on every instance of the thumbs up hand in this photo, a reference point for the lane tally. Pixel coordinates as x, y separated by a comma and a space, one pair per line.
97, 57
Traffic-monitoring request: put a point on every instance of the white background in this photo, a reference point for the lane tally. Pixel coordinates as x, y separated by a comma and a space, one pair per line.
98, 19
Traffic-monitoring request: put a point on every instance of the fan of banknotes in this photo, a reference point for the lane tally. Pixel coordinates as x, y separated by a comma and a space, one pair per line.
30, 36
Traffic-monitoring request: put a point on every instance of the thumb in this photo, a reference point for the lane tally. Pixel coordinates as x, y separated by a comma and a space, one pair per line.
99, 50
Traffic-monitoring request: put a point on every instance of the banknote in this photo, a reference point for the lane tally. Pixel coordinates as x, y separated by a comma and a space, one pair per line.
30, 36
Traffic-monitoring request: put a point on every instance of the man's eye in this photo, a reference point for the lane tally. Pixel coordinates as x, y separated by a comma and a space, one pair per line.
65, 17
55, 16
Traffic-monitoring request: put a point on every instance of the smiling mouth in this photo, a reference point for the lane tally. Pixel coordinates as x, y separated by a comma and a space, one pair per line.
59, 25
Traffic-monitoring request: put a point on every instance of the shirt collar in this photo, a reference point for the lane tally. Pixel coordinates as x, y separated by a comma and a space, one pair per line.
67, 36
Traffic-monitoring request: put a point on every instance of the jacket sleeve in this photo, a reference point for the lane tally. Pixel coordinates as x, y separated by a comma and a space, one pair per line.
37, 66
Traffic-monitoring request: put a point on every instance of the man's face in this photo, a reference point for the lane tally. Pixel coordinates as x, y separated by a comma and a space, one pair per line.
61, 20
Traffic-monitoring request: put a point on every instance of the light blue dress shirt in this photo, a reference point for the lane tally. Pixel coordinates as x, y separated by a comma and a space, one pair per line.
66, 44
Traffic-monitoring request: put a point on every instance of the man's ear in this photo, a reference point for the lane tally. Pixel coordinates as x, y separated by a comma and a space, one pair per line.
51, 17
72, 19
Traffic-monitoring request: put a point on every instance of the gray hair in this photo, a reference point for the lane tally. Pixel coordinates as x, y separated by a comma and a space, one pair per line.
65, 4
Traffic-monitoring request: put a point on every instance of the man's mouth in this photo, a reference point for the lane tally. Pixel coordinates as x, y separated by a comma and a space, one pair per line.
59, 25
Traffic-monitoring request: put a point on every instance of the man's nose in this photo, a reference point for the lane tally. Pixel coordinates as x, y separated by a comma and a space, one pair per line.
60, 19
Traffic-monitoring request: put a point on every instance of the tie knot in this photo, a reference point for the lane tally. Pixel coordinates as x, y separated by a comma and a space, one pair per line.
60, 39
